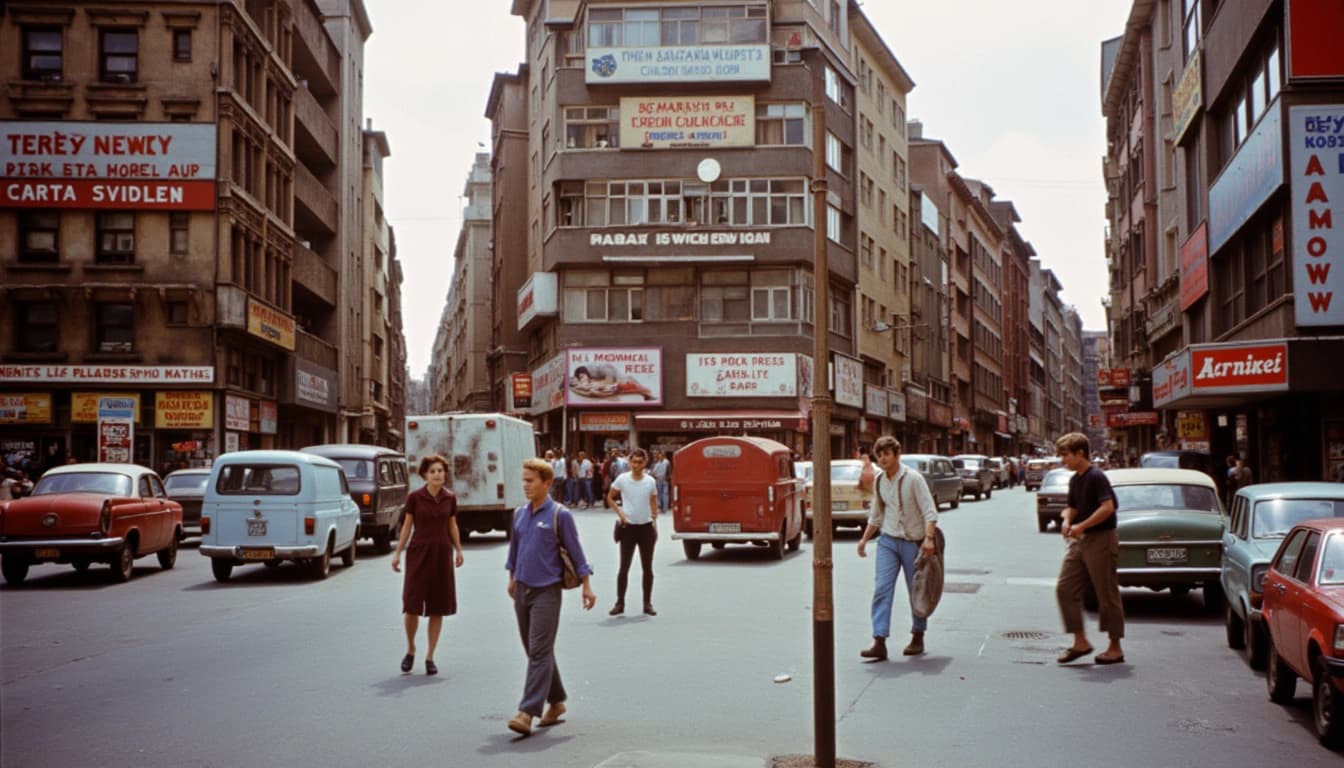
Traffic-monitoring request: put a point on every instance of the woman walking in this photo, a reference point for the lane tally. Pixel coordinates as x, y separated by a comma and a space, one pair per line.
428, 589
540, 528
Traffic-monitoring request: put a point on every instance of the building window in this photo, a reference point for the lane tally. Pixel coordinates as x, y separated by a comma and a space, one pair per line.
592, 127
599, 296
677, 26
35, 328
1190, 25
119, 62
865, 190
780, 124
866, 133
178, 232
835, 153
842, 314
761, 302
833, 20
114, 327
39, 236
175, 313
900, 173
182, 45
116, 238
833, 219
836, 89
42, 53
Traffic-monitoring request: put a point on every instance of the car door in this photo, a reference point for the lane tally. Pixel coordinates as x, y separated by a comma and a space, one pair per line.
1298, 603
1236, 567
153, 526
949, 485
1277, 595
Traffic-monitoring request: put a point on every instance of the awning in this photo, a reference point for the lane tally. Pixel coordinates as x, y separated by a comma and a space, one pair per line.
723, 421
1003, 435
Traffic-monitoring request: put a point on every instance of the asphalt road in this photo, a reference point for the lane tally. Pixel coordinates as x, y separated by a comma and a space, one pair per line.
174, 669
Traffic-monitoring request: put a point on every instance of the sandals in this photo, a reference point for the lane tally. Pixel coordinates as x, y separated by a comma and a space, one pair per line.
407, 662
1073, 654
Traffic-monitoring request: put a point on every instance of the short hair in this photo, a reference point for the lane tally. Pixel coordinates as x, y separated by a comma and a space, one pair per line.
429, 461
541, 467
639, 453
886, 444
1074, 442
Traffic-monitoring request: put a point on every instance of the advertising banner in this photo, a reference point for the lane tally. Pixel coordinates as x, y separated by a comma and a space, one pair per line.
604, 422
184, 409
25, 408
665, 122
108, 374
116, 428
742, 374
1247, 181
1315, 144
1171, 378
875, 400
679, 64
1191, 425
548, 385
896, 406
1195, 267
84, 405
314, 386
848, 374
237, 413
520, 386
1188, 97
1239, 368
271, 324
268, 417
1132, 419
602, 376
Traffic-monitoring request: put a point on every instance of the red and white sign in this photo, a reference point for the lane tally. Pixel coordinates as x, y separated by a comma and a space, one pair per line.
742, 374
1171, 378
121, 195
548, 385
1134, 419
109, 374
1315, 140
1195, 267
537, 298
1239, 368
609, 375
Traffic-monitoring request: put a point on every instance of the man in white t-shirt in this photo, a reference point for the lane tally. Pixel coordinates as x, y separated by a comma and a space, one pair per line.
638, 513
557, 462
585, 480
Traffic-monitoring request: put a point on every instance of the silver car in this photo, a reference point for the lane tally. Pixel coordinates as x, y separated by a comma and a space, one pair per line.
977, 478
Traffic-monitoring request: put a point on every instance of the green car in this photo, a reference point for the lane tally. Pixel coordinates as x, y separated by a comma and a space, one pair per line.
1170, 524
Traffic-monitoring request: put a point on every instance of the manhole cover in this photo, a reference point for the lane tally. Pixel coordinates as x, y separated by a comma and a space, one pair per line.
1025, 635
962, 587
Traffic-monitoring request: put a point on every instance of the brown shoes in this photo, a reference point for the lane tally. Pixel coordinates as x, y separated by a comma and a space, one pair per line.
916, 646
553, 714
521, 724
878, 652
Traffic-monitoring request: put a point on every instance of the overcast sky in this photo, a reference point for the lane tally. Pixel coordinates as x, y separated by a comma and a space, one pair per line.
1013, 88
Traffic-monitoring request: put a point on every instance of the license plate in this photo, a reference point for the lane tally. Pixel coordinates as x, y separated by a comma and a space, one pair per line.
257, 553
725, 527
256, 527
1163, 555
840, 505
46, 552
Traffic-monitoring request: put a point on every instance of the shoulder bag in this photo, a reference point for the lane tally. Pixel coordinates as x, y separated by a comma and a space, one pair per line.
569, 576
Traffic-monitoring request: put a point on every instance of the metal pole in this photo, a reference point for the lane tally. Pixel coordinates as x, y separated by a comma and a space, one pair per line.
823, 599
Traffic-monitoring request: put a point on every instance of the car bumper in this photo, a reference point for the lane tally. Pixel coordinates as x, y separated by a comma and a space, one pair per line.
281, 553
65, 545
1164, 576
762, 536
846, 516
1334, 665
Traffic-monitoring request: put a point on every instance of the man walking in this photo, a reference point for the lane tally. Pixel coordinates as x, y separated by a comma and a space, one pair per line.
659, 470
1093, 550
904, 520
638, 513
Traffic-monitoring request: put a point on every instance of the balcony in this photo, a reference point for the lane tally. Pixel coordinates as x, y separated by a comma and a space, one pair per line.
315, 275
316, 59
316, 137
316, 208
314, 350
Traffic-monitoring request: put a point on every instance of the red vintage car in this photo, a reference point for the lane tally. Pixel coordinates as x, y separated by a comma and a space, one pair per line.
86, 513
1304, 614
736, 490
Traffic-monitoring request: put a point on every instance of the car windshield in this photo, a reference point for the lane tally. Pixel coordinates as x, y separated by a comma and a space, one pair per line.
108, 483
1158, 496
1332, 561
915, 464
357, 469
1056, 480
253, 480
803, 470
1275, 517
188, 484
845, 473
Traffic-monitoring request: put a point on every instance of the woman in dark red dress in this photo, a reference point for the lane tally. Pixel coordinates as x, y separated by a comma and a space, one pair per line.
435, 548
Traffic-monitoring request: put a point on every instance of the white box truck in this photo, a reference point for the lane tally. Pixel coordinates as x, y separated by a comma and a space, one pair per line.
485, 453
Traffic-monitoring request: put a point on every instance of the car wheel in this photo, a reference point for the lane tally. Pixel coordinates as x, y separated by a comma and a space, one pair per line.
124, 565
168, 556
1213, 598
348, 556
1327, 707
382, 540
1236, 628
807, 529
15, 569
1257, 645
956, 502
796, 541
777, 546
1279, 679
1043, 524
222, 568
691, 548
81, 565
319, 567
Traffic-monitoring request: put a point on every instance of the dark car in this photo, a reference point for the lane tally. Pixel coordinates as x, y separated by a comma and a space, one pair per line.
378, 484
187, 487
1052, 499
942, 478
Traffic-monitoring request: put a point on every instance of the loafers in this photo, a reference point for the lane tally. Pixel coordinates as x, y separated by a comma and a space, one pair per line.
407, 662
617, 609
431, 668
553, 714
521, 724
878, 652
648, 610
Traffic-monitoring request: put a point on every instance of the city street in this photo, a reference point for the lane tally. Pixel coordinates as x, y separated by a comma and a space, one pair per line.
174, 669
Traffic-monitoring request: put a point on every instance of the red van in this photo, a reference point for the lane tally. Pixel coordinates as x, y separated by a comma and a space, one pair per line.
736, 490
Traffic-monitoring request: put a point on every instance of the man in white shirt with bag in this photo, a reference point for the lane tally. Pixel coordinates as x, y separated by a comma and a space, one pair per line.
904, 520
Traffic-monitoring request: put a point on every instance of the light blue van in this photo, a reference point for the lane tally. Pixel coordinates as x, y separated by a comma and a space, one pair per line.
272, 506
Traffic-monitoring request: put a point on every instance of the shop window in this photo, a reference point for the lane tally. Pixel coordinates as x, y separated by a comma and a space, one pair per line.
35, 328
178, 230
114, 327
182, 45
43, 57
116, 238
39, 236
118, 56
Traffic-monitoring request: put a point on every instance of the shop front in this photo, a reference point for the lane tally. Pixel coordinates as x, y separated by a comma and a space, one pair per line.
938, 437
670, 430
918, 436
308, 404
249, 423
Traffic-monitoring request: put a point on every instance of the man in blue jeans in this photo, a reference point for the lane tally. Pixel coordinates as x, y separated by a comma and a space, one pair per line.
904, 520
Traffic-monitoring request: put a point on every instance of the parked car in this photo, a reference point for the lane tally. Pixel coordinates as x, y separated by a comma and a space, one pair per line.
1052, 499
1182, 460
942, 478
977, 477
849, 506
1260, 518
1000, 471
273, 506
90, 513
378, 480
1170, 524
730, 490
1304, 612
187, 487
1036, 469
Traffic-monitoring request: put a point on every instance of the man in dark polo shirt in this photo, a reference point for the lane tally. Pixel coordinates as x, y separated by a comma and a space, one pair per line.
1093, 549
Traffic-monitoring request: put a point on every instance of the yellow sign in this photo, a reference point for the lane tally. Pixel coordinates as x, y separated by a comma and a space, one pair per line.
1191, 425
25, 408
84, 405
664, 122
184, 410
270, 324
1187, 98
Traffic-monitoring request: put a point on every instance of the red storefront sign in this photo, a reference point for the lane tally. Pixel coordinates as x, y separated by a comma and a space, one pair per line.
1241, 368
146, 195
1103, 377
1195, 267
522, 389
1135, 419
1120, 377
604, 422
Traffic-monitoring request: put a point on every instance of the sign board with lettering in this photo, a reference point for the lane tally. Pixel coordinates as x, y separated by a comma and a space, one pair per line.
1191, 425
742, 374
269, 323
314, 386
1132, 419
678, 64
538, 298
1315, 146
1195, 267
1171, 378
107, 374
603, 376
25, 408
268, 417
237, 413
876, 400
548, 385
84, 405
1188, 97
605, 422
848, 374
1225, 368
184, 409
896, 406
663, 122
116, 428
520, 389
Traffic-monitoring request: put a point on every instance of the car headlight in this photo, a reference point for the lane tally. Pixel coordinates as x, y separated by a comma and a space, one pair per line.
1339, 638
1258, 578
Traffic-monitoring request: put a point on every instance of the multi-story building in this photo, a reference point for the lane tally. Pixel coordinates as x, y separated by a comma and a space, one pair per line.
376, 424
1220, 228
928, 415
515, 299
1074, 409
462, 347
1017, 383
164, 233
1095, 359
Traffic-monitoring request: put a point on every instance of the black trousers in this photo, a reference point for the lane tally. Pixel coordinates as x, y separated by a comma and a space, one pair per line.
642, 536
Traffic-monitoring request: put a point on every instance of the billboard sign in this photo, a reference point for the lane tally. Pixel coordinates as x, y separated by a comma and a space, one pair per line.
679, 64
1315, 141
742, 374
667, 122
612, 375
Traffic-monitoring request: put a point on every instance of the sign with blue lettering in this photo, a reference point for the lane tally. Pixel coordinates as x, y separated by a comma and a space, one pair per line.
679, 64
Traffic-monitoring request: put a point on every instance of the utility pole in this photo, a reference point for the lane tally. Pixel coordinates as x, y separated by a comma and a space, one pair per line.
823, 597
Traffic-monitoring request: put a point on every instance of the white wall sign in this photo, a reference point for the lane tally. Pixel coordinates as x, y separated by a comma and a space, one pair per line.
548, 385
742, 374
237, 413
109, 374
848, 381
537, 298
1316, 146
680, 64
875, 400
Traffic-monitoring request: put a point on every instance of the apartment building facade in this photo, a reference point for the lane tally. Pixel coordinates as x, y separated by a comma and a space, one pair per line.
460, 366
163, 233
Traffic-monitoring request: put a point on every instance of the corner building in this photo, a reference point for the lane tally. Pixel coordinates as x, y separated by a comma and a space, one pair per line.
670, 291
